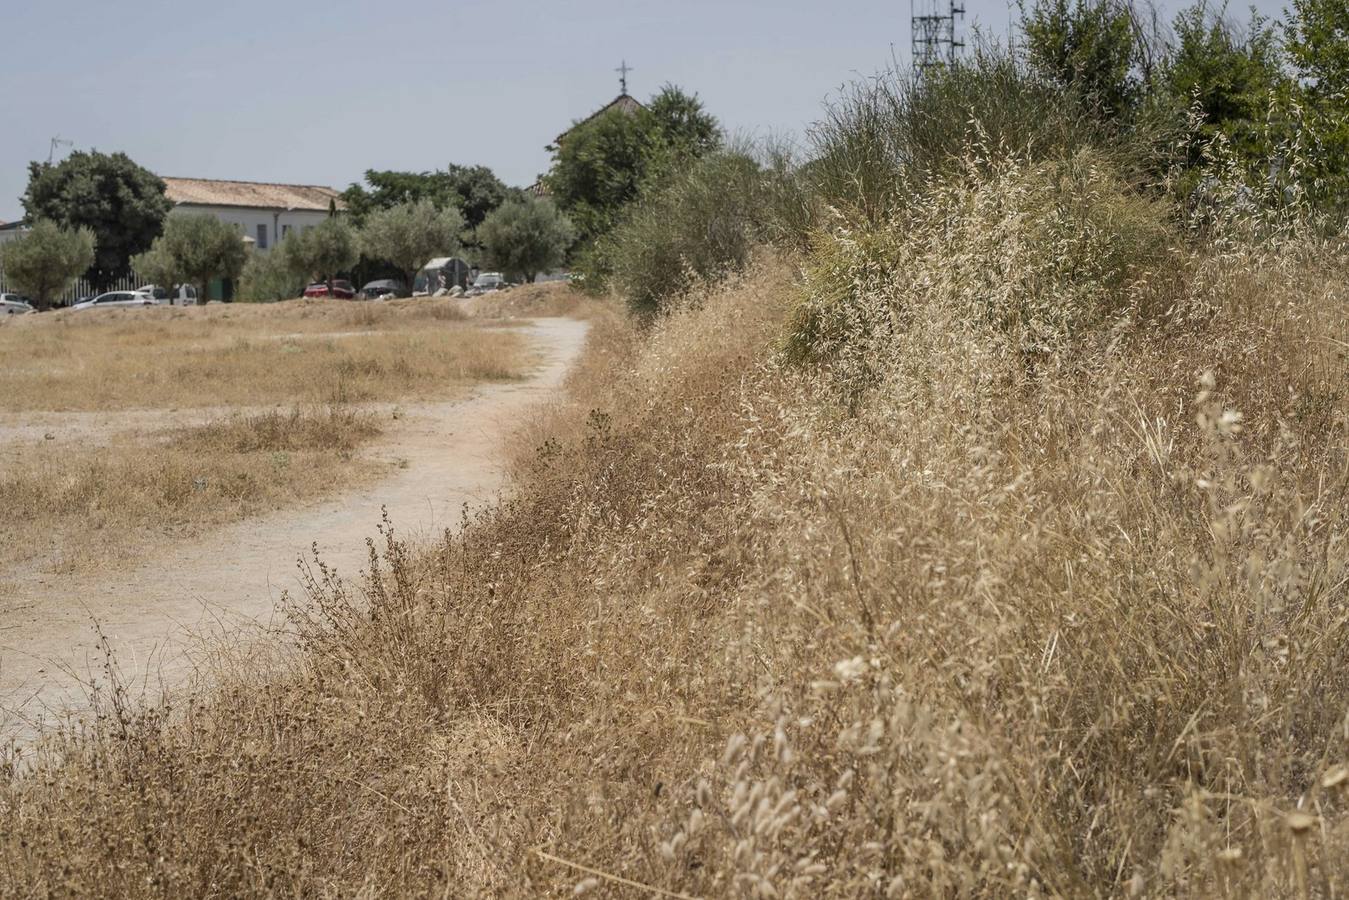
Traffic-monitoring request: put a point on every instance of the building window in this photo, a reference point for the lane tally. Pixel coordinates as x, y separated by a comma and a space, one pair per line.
285, 231
262, 237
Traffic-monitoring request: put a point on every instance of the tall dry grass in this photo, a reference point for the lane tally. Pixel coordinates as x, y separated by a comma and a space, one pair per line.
73, 507
1069, 623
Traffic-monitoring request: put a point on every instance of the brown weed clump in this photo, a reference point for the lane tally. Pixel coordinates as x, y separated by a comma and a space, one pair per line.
1009, 617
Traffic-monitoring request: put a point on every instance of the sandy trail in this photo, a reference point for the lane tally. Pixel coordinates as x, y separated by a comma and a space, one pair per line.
233, 576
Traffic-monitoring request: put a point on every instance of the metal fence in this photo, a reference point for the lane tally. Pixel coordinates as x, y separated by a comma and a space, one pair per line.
83, 287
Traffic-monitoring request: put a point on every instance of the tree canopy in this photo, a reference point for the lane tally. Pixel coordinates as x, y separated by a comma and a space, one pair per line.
1088, 46
325, 250
1318, 46
47, 260
604, 163
1230, 75
525, 237
122, 203
410, 234
270, 276
194, 248
472, 190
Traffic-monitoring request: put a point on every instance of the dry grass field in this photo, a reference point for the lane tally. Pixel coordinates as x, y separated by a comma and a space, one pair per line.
142, 424
307, 351
962, 514
994, 629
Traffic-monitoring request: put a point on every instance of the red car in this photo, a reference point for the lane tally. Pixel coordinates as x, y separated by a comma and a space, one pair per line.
342, 290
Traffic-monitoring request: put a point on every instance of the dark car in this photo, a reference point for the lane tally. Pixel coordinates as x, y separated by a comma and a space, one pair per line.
342, 290
486, 283
385, 287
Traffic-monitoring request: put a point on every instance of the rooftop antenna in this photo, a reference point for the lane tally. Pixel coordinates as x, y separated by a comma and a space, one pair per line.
57, 141
623, 71
933, 25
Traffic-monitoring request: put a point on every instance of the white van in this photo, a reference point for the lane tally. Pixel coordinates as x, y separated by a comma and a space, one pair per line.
183, 295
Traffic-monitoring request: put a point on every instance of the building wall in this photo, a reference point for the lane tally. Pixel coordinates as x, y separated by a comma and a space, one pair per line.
275, 221
11, 234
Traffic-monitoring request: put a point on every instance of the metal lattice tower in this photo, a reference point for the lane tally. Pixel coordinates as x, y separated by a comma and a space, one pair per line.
934, 31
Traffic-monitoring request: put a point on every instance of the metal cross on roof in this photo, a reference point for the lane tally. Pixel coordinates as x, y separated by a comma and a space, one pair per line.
623, 71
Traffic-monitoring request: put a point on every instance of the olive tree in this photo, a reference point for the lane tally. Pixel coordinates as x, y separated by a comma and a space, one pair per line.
194, 248
323, 251
410, 235
158, 266
526, 237
271, 276
47, 260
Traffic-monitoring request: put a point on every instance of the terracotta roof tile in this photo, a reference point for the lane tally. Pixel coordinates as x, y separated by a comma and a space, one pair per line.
253, 194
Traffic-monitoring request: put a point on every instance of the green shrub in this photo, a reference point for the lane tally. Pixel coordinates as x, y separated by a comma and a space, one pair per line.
270, 276
699, 226
883, 139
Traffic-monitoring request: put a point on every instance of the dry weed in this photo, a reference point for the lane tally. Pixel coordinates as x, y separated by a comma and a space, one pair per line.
1075, 628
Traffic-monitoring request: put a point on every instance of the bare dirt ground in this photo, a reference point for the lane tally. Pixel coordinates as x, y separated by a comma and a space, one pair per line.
152, 613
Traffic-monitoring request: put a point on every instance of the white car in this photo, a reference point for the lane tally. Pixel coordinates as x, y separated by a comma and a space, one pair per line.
14, 305
116, 299
182, 295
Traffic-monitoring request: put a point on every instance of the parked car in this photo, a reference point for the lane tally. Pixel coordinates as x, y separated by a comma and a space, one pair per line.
14, 305
118, 299
486, 283
385, 287
181, 295
342, 290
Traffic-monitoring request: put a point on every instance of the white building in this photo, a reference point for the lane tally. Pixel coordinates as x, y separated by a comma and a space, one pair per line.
12, 231
263, 212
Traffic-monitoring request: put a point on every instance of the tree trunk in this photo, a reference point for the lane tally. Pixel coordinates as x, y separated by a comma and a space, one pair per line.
411, 280
204, 292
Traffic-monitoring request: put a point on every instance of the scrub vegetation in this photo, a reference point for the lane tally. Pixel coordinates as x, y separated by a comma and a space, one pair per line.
976, 526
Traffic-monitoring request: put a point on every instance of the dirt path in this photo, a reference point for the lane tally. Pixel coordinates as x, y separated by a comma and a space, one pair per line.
234, 576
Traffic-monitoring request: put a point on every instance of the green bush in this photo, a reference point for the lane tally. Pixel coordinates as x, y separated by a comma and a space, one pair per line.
270, 276
47, 260
884, 139
525, 237
698, 226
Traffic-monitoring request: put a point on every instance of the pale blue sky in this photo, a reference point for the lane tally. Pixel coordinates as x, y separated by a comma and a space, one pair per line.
317, 92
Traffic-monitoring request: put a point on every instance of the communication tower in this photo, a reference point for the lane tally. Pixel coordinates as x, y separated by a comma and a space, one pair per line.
934, 31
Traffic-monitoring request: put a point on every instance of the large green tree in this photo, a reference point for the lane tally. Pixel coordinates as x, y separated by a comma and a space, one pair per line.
472, 190
1232, 74
1318, 46
525, 237
603, 164
121, 202
47, 260
1088, 46
411, 234
325, 251
194, 248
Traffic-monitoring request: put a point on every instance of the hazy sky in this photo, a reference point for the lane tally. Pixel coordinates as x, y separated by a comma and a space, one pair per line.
318, 91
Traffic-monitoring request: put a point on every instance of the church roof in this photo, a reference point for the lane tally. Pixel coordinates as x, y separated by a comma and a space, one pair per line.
623, 102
